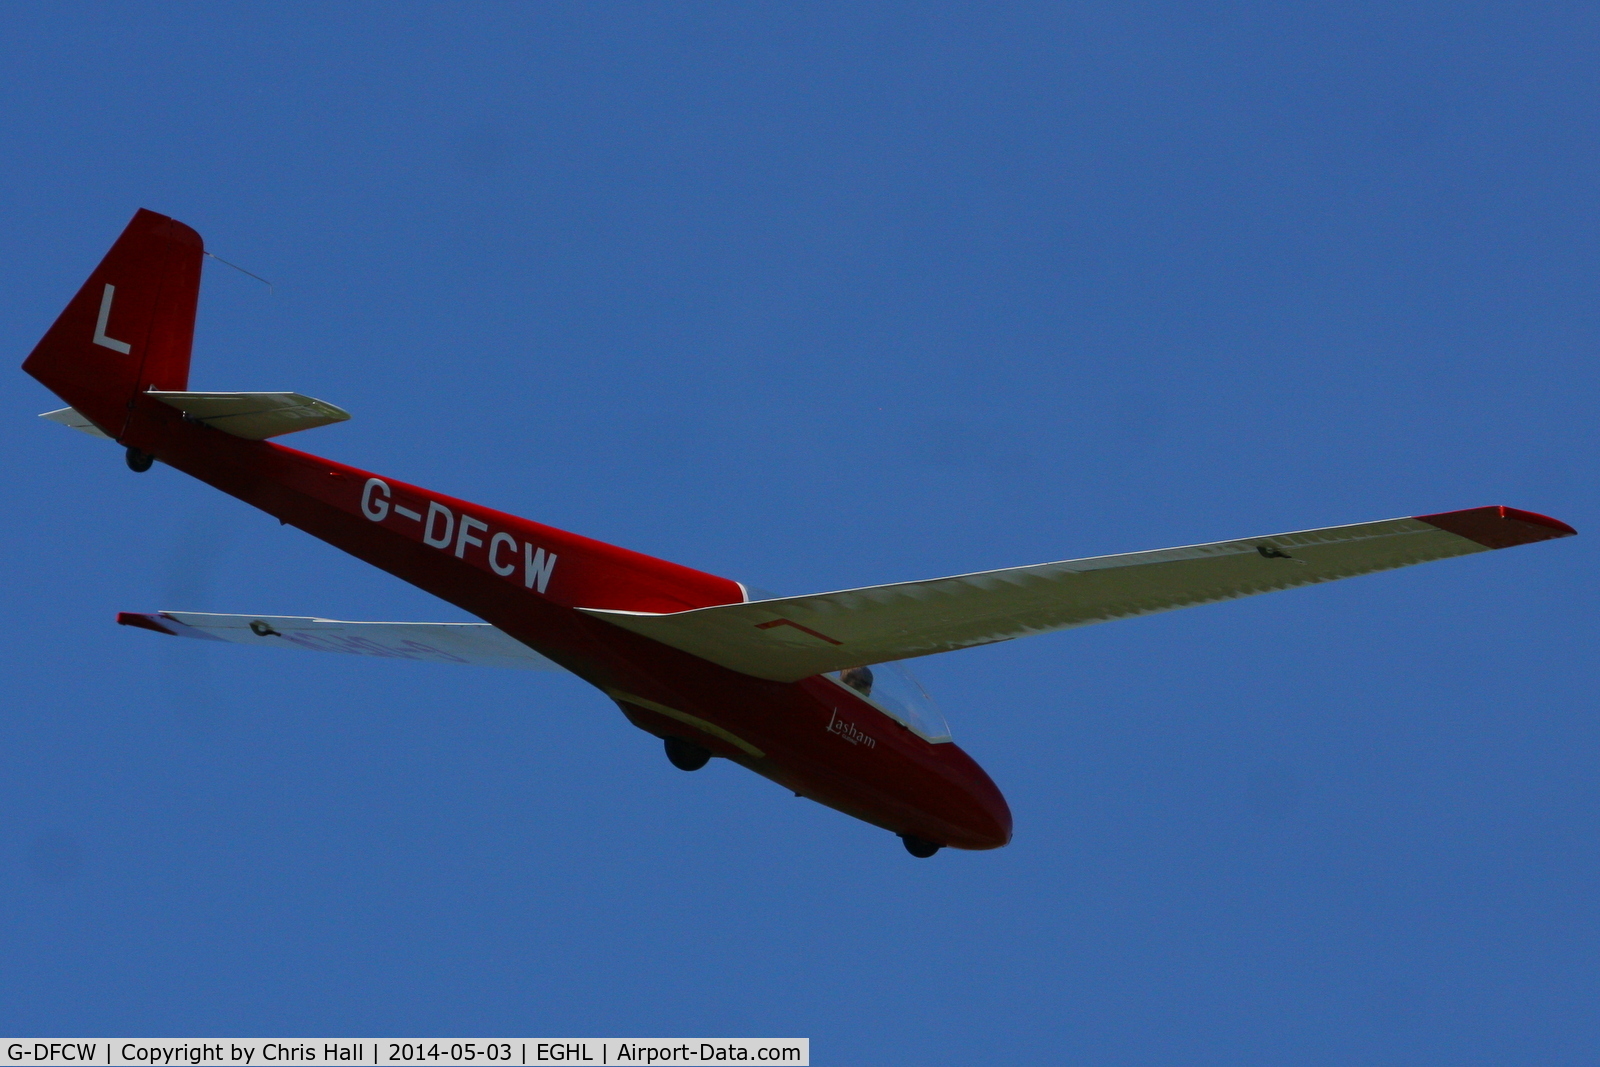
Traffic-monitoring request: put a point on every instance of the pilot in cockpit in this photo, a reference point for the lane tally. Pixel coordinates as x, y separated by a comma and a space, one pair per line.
859, 679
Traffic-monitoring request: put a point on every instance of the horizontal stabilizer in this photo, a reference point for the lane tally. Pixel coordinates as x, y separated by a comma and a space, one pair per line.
254, 416
475, 643
75, 419
790, 638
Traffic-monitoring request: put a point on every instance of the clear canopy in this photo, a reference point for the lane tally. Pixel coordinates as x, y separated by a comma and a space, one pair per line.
896, 693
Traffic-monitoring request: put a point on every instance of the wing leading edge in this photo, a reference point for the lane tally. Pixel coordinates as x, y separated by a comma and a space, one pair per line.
474, 643
790, 638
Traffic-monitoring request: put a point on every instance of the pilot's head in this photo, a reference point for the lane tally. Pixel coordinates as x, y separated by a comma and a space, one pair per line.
859, 679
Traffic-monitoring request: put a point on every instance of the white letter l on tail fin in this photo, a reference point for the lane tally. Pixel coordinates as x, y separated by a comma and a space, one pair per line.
100, 337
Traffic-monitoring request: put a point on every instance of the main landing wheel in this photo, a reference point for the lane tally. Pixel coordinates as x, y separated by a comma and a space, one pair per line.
138, 461
686, 755
918, 847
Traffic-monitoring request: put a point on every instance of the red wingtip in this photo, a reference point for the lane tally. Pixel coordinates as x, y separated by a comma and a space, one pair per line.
1499, 527
144, 622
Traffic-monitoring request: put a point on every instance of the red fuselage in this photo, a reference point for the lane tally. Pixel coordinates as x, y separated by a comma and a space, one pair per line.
815, 736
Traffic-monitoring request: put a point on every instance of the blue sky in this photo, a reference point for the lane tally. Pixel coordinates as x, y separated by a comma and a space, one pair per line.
817, 296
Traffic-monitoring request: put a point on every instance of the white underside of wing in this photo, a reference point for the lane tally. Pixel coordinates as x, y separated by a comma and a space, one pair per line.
472, 643
789, 638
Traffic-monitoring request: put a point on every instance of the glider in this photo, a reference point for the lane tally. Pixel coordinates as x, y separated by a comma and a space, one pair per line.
804, 690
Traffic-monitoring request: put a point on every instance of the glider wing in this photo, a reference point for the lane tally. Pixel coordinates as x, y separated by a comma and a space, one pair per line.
790, 638
474, 643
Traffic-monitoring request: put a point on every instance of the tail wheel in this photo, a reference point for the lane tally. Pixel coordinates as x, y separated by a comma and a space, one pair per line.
686, 755
138, 461
919, 847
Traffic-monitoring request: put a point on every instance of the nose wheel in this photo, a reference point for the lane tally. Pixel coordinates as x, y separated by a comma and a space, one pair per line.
686, 755
919, 847
138, 461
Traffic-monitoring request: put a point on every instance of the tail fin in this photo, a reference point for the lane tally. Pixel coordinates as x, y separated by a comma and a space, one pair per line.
131, 326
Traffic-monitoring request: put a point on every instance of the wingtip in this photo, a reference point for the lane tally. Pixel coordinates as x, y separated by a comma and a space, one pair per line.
162, 623
143, 622
1499, 526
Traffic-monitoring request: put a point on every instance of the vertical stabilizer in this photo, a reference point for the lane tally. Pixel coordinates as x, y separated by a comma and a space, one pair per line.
131, 326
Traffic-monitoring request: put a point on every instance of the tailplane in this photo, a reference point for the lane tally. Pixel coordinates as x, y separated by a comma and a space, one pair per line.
131, 326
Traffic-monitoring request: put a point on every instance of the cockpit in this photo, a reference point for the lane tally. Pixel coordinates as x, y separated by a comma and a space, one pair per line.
893, 690
889, 687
